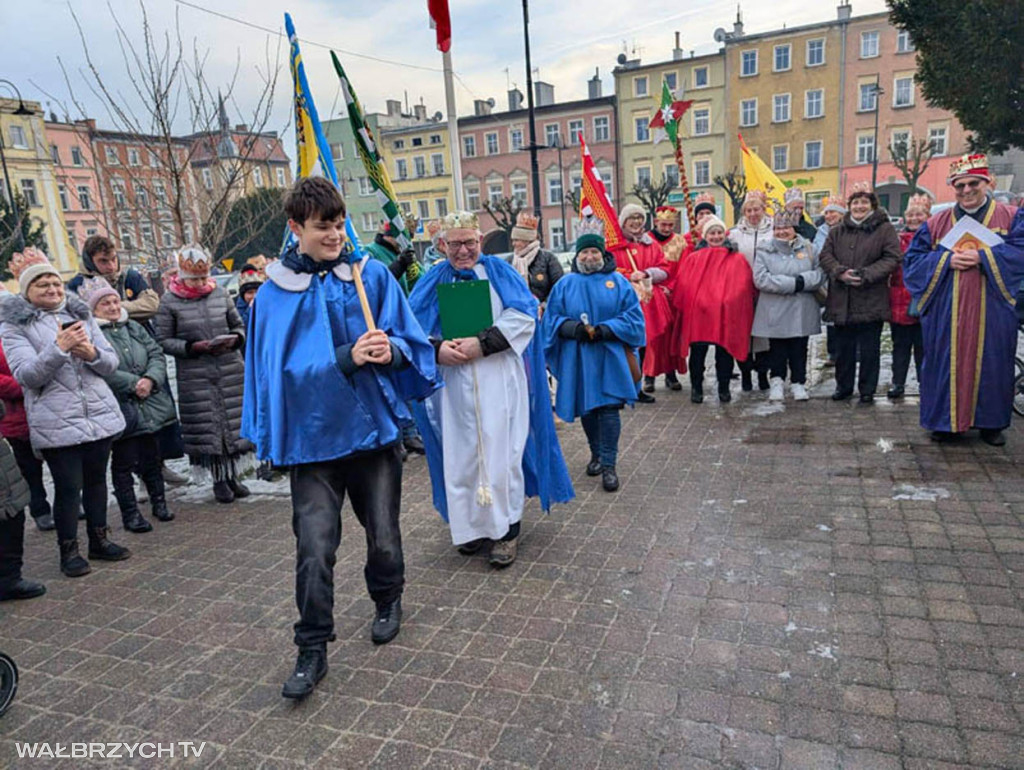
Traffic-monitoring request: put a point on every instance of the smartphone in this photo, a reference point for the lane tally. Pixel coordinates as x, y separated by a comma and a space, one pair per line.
68, 324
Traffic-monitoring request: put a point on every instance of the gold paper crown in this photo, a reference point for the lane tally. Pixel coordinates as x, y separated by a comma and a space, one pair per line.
859, 188
920, 201
666, 214
23, 259
193, 260
526, 220
590, 226
460, 220
972, 164
755, 196
704, 197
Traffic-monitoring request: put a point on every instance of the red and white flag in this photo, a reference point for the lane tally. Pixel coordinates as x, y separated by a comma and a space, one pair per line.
594, 200
442, 22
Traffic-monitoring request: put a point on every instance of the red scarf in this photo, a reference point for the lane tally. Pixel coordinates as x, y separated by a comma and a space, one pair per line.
179, 288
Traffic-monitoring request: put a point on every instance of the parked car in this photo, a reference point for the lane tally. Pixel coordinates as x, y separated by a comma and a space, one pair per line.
228, 282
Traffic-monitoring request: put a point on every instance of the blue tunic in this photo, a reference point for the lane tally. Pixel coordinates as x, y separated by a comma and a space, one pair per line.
592, 374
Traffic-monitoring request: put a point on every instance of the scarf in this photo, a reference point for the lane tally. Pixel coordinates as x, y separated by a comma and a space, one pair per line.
179, 288
303, 263
521, 260
661, 238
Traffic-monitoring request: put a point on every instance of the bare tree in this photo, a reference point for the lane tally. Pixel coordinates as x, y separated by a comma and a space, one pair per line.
651, 196
573, 196
912, 159
734, 183
504, 212
178, 120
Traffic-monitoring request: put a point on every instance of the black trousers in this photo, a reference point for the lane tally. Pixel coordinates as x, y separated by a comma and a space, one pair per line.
755, 362
906, 339
79, 482
12, 547
789, 353
138, 454
374, 485
861, 342
31, 468
723, 365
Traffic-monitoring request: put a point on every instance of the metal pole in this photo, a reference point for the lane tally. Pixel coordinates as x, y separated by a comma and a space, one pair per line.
534, 165
874, 161
453, 130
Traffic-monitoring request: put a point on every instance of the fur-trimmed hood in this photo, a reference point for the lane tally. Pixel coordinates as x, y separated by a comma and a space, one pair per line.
17, 310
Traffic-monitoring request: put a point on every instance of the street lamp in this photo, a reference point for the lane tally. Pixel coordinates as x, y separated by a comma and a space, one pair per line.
21, 110
534, 166
559, 145
877, 91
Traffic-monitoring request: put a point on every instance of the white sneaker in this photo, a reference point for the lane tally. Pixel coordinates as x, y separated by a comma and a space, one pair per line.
799, 392
777, 392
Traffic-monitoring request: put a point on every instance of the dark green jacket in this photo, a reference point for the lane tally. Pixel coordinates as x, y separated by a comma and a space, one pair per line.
139, 355
14, 494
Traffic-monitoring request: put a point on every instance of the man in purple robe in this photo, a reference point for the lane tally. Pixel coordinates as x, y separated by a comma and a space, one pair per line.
965, 297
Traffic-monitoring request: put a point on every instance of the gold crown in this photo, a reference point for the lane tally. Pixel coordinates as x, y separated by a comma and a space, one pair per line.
972, 164
755, 196
920, 201
526, 220
23, 259
590, 226
666, 214
704, 197
460, 220
193, 260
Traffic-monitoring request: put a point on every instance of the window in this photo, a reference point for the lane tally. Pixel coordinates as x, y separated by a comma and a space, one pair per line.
815, 52
903, 42
159, 192
702, 172
18, 138
780, 157
120, 201
554, 189
643, 133
575, 131
671, 79
28, 189
368, 223
519, 193
901, 140
643, 176
127, 239
814, 103
812, 154
441, 204
783, 56
281, 179
473, 198
606, 177
167, 235
406, 208
419, 165
111, 155
338, 151
257, 176
141, 195
72, 239
640, 86
814, 201
147, 234
748, 63
435, 139
780, 108
575, 182
365, 188
700, 77
491, 143
55, 154
515, 139
417, 141
865, 148
398, 144
868, 97
748, 112
84, 197
495, 192
76, 155
937, 136
62, 191
903, 92
154, 160
601, 131
701, 121
423, 208
437, 163
671, 174
401, 168
552, 134
469, 147
133, 157
868, 45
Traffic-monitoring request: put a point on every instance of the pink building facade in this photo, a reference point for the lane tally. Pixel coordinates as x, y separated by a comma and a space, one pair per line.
77, 180
496, 162
878, 53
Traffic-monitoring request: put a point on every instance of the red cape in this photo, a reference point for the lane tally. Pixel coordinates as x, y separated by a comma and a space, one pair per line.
714, 294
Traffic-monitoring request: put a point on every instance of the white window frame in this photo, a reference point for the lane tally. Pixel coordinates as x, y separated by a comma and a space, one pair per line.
602, 129
495, 192
282, 178
896, 91
473, 194
674, 85
423, 209
701, 172
864, 143
609, 182
637, 128
469, 146
707, 77
945, 138
257, 176
62, 193
638, 91
76, 155
134, 159
785, 102
111, 155
84, 202
670, 172
575, 128
557, 234
437, 163
639, 176
365, 188
368, 224
821, 153
19, 140
419, 166
159, 192
553, 182
820, 92
141, 195
55, 154
401, 168
743, 63
861, 94
903, 42
120, 196
515, 139
398, 144
776, 50
441, 205
865, 44
491, 144
548, 134
207, 178
520, 192
775, 166
743, 104
807, 52
702, 119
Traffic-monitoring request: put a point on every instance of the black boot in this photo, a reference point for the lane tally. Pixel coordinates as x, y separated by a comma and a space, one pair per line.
594, 466
762, 381
310, 668
723, 393
648, 384
388, 621
20, 589
414, 445
161, 511
672, 381
71, 562
993, 437
609, 478
697, 395
645, 398
100, 547
44, 522
222, 492
746, 381
124, 491
240, 490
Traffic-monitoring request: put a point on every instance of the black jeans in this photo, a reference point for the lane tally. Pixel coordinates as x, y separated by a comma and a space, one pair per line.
374, 485
79, 482
603, 427
830, 342
138, 454
789, 353
723, 365
12, 546
861, 342
32, 469
906, 339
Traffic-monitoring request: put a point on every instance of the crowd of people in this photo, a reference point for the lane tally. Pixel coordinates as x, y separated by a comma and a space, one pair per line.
451, 357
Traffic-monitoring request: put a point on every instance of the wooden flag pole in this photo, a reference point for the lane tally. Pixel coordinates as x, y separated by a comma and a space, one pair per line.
364, 303
684, 183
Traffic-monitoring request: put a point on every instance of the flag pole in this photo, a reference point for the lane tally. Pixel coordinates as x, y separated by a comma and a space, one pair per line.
453, 129
684, 182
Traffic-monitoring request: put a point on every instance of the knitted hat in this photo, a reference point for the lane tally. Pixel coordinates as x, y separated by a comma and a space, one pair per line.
711, 221
704, 202
786, 218
833, 204
793, 195
630, 210
94, 289
590, 235
193, 261
525, 228
28, 265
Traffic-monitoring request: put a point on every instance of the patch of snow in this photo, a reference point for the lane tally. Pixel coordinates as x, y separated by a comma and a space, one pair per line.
885, 445
764, 409
824, 528
929, 494
825, 651
790, 627
739, 502
784, 675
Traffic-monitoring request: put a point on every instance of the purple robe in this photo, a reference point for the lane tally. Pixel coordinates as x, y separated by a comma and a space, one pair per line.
968, 321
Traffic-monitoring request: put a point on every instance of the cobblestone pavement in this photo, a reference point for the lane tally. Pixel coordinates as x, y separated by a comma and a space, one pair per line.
801, 586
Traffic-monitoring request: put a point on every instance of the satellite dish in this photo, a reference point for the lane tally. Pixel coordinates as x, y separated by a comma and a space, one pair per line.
438, 115
621, 59
719, 35
491, 101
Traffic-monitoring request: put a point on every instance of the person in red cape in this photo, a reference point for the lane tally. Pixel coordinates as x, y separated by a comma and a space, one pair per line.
714, 293
703, 207
905, 328
643, 262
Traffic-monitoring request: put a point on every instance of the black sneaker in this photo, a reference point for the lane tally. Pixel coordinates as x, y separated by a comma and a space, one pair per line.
44, 522
310, 668
645, 398
240, 490
896, 391
867, 398
673, 383
841, 395
648, 384
20, 589
993, 437
222, 492
594, 467
609, 479
388, 622
472, 547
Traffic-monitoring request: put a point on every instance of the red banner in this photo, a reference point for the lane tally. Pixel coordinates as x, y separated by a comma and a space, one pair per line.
594, 200
442, 22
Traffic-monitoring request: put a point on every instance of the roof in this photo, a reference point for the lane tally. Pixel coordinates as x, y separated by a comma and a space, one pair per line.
620, 70
559, 107
265, 148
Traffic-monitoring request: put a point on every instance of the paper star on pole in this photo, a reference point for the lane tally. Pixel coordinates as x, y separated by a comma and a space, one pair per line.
665, 121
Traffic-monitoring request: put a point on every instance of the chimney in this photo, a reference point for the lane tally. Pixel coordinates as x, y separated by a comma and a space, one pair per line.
481, 107
594, 85
737, 28
515, 100
394, 107
543, 93
844, 10
420, 110
677, 52
241, 128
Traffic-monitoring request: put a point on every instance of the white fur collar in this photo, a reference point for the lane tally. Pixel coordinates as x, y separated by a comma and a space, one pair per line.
289, 280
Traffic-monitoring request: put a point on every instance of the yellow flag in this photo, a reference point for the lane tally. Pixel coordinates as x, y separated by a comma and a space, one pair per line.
760, 177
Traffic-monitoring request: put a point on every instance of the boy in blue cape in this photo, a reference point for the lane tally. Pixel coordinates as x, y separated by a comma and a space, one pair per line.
326, 398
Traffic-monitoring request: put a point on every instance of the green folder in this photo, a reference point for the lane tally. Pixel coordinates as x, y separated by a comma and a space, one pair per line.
465, 308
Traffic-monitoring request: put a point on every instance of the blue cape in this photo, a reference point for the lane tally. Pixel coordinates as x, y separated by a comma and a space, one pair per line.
544, 470
299, 407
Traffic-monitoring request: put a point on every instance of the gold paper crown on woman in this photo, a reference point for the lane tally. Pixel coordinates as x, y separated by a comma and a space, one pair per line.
920, 201
666, 214
460, 220
192, 260
28, 257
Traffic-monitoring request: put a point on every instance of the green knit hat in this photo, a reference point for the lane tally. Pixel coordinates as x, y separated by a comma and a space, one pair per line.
590, 235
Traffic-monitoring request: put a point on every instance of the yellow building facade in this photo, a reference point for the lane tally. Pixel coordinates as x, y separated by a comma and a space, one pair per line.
30, 168
418, 158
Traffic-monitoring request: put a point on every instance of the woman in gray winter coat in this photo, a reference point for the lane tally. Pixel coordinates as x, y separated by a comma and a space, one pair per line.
198, 324
59, 357
14, 498
753, 231
787, 275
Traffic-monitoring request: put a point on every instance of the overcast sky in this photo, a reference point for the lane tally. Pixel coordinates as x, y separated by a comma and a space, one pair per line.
568, 39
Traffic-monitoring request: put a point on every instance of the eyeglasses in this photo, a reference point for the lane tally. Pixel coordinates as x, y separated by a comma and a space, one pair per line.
456, 245
970, 184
